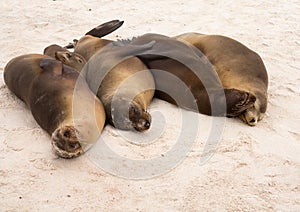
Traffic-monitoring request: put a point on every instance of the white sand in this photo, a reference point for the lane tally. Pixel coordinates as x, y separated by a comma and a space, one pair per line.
254, 168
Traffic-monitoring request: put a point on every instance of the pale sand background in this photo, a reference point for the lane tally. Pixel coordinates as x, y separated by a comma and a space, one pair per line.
254, 168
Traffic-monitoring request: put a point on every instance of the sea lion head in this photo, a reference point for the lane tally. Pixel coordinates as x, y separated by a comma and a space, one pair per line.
128, 115
251, 116
140, 118
72, 59
255, 113
65, 142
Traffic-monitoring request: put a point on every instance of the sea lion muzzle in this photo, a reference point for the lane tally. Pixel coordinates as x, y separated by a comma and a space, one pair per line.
128, 116
65, 142
140, 119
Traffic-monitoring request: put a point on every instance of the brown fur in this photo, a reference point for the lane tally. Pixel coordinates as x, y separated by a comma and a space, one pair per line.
69, 58
59, 99
143, 86
238, 67
199, 81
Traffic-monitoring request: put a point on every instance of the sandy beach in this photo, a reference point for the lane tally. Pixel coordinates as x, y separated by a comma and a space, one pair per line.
252, 169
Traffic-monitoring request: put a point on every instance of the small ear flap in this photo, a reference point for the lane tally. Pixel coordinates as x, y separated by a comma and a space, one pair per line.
49, 64
105, 28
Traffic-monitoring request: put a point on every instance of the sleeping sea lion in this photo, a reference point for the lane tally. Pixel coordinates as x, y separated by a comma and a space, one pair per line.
134, 98
67, 57
188, 65
238, 67
60, 101
121, 81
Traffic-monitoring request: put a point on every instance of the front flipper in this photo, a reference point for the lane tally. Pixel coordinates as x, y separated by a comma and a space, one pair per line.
105, 28
238, 101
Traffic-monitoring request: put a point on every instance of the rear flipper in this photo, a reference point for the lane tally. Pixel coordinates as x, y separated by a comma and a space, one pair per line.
99, 31
105, 28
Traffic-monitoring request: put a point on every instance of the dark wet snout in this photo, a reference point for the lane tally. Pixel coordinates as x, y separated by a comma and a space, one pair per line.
140, 118
65, 142
143, 124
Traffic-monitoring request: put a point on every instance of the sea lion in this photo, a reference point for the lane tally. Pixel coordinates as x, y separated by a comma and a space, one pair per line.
69, 58
130, 108
121, 81
188, 65
238, 67
60, 101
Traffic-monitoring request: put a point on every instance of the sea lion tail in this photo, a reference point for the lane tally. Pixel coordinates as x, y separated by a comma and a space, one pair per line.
105, 28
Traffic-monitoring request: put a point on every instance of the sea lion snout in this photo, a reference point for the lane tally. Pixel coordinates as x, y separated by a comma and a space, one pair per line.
65, 142
143, 122
140, 118
142, 125
129, 116
71, 59
252, 115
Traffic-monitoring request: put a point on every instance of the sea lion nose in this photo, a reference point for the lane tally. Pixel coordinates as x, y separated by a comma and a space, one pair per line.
147, 124
252, 121
67, 134
252, 98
